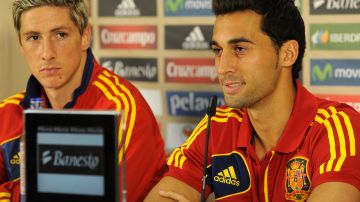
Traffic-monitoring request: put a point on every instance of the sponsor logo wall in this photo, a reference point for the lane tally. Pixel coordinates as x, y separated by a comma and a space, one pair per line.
162, 46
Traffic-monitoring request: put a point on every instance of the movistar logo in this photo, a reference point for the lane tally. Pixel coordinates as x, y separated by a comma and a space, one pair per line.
321, 74
174, 5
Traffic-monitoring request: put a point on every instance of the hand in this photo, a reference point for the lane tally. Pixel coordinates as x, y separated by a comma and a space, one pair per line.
174, 196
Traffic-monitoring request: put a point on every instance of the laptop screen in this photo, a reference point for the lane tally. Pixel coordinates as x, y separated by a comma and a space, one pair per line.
71, 155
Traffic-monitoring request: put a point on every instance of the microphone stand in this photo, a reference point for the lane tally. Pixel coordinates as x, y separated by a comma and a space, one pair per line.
123, 164
211, 111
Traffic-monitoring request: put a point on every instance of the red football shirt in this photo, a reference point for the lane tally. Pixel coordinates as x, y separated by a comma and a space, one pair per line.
321, 143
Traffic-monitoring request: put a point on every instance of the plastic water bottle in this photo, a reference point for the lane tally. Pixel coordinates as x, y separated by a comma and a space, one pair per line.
36, 103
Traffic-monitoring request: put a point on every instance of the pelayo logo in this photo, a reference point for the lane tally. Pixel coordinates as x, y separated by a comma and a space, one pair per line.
335, 72
187, 7
335, 36
190, 103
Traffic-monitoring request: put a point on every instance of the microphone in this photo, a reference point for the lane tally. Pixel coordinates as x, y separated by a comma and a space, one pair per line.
211, 111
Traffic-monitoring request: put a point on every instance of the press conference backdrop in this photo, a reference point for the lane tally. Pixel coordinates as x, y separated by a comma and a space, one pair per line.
162, 47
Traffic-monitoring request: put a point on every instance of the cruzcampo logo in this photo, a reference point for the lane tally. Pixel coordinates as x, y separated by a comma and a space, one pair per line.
321, 74
335, 36
174, 5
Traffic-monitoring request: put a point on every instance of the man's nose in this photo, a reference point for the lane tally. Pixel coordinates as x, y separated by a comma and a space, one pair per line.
48, 50
226, 63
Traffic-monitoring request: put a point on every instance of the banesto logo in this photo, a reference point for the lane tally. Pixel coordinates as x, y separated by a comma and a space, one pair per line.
318, 3
321, 74
139, 69
336, 4
57, 158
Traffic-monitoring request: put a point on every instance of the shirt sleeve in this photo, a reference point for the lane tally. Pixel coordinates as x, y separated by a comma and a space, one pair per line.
336, 154
186, 162
145, 154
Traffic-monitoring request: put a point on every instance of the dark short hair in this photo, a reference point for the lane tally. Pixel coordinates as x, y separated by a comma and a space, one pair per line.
281, 21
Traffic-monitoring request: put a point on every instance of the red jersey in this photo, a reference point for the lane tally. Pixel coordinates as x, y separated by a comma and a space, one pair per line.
321, 143
103, 90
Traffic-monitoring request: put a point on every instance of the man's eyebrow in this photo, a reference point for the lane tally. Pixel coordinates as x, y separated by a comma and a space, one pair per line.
233, 41
31, 33
52, 30
213, 43
59, 28
239, 40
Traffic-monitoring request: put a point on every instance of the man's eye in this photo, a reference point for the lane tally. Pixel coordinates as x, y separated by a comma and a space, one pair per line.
33, 38
216, 51
239, 50
62, 35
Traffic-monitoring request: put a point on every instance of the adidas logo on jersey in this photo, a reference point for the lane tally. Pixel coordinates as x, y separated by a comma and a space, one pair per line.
127, 8
195, 40
15, 160
227, 176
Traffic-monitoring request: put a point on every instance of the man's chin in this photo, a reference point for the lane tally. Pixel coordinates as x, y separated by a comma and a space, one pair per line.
50, 85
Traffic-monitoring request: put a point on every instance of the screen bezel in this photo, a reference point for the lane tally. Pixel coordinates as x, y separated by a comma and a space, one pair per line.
107, 120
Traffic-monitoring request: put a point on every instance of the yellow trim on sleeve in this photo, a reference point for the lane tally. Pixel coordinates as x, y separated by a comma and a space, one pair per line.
5, 194
132, 113
350, 133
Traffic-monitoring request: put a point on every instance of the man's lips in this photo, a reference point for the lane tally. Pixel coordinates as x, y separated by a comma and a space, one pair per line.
49, 70
233, 87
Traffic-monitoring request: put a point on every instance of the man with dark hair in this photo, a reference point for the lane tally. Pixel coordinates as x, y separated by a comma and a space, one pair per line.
54, 37
274, 141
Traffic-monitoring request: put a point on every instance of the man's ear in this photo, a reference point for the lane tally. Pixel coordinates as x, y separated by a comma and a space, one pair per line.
86, 37
289, 52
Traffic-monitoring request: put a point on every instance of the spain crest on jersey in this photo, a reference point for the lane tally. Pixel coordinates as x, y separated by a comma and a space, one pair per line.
297, 184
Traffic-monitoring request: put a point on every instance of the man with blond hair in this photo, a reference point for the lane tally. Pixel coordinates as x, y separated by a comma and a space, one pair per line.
54, 37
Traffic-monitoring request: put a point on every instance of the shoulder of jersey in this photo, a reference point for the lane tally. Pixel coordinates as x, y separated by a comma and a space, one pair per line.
225, 114
12, 101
